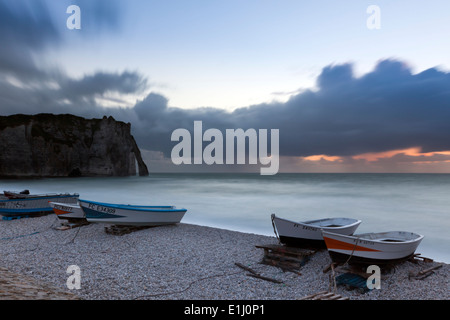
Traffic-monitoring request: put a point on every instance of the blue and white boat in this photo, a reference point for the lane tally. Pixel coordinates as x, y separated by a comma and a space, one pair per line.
13, 204
130, 215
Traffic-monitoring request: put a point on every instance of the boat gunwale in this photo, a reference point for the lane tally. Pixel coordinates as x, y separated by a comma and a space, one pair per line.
134, 207
71, 205
356, 222
379, 241
41, 197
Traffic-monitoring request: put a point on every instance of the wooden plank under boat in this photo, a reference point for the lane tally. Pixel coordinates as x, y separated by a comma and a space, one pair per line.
308, 233
371, 248
131, 215
33, 204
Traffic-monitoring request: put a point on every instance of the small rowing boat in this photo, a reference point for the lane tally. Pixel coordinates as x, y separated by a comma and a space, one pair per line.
372, 248
131, 215
17, 195
309, 232
68, 211
15, 204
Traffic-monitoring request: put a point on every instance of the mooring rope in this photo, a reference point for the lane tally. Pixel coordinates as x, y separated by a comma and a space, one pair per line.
28, 235
21, 236
353, 251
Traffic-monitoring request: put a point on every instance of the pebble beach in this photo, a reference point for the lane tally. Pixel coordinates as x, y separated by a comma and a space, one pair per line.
177, 262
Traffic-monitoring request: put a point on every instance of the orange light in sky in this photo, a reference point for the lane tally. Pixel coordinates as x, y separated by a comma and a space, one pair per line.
413, 152
324, 157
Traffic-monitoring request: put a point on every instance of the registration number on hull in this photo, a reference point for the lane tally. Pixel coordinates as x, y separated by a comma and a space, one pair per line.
62, 208
100, 208
305, 227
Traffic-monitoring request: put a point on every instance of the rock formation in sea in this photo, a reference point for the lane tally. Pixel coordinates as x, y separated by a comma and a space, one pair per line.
48, 145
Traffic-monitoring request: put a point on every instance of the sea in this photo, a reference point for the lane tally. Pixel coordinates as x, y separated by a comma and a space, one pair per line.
417, 203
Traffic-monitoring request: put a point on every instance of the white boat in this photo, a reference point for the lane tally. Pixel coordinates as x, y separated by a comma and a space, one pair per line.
131, 215
372, 248
68, 211
14, 204
309, 232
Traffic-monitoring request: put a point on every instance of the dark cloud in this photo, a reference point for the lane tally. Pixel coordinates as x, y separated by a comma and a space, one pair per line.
345, 116
26, 23
29, 27
25, 29
28, 30
333, 77
100, 83
388, 108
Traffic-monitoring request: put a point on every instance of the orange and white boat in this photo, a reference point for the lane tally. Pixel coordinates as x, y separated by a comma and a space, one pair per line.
68, 211
372, 248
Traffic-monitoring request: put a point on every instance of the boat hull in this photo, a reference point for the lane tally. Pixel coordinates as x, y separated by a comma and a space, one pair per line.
360, 249
301, 234
68, 211
33, 205
97, 212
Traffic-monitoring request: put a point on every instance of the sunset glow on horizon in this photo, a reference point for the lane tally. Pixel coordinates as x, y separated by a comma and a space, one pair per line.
411, 160
412, 152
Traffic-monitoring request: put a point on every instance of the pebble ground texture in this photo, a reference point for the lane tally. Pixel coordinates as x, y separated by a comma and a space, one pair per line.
178, 262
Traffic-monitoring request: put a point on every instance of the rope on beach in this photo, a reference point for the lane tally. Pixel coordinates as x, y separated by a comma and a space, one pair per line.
73, 239
21, 236
28, 235
189, 286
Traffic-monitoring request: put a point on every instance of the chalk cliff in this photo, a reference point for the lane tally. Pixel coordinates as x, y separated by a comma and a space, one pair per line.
47, 145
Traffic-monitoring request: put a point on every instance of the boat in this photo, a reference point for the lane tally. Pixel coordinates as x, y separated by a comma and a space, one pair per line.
131, 215
308, 233
15, 204
16, 195
372, 248
68, 211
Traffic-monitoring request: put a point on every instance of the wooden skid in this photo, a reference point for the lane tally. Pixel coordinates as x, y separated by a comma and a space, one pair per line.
324, 295
284, 257
254, 274
71, 225
424, 273
118, 230
417, 257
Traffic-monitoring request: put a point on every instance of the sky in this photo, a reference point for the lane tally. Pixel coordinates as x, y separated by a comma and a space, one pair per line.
346, 97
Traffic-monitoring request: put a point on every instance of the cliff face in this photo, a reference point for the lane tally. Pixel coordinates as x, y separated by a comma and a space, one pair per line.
47, 145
